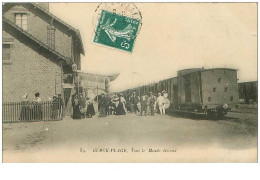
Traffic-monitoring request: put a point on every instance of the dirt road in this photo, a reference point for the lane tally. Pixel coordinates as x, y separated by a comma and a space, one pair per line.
88, 140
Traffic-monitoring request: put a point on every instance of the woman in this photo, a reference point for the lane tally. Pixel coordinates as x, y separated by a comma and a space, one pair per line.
37, 109
76, 108
90, 108
25, 112
120, 110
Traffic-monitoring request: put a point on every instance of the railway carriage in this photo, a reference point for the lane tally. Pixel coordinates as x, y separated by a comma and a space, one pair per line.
198, 90
207, 90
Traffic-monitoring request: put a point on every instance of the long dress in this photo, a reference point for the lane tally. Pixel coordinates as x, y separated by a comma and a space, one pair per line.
120, 110
76, 110
90, 109
25, 111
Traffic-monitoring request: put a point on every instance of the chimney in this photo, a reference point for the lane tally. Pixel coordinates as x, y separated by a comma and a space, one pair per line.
43, 5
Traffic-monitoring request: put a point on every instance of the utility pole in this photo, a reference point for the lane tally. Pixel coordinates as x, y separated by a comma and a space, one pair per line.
55, 85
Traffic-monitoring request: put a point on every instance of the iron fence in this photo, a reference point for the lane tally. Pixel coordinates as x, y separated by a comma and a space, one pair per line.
30, 111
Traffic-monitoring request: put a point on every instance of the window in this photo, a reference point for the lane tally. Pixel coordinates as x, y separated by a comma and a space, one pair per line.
209, 99
6, 52
225, 89
51, 36
21, 20
214, 89
219, 80
231, 98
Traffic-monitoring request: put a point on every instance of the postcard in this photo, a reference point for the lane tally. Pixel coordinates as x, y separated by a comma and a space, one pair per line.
129, 82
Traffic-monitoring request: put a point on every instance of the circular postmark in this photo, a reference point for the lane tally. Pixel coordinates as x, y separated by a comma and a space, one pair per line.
117, 25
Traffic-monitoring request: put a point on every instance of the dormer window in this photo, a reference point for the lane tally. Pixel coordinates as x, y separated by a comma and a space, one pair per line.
21, 20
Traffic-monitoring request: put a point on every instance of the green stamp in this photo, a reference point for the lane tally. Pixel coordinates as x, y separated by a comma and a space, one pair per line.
116, 31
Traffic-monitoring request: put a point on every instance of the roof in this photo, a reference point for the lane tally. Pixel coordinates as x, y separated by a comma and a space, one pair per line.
195, 70
112, 77
189, 71
55, 19
26, 34
219, 69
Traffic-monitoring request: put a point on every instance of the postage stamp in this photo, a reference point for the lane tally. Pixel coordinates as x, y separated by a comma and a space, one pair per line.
116, 30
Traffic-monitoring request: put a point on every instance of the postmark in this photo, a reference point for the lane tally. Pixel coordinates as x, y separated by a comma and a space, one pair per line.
117, 26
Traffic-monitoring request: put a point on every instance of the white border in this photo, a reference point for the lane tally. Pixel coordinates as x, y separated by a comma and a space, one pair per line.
218, 171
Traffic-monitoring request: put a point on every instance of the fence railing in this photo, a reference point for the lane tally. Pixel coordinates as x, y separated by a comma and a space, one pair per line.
30, 111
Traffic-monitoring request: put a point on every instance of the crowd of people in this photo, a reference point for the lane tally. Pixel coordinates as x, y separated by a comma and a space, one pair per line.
147, 104
118, 104
83, 107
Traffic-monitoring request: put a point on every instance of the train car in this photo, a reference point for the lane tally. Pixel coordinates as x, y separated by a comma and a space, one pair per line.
198, 90
248, 91
208, 91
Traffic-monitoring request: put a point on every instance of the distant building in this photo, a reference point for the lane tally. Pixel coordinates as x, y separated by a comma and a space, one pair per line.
38, 52
88, 83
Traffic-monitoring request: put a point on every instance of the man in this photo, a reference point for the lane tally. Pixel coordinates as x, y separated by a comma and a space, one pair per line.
144, 101
102, 105
108, 101
82, 104
60, 106
55, 107
160, 102
152, 102
135, 101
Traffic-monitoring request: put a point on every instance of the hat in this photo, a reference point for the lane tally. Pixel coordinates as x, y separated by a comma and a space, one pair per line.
159, 93
25, 96
163, 91
151, 93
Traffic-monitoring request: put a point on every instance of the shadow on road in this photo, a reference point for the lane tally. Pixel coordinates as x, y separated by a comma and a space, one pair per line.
201, 116
248, 119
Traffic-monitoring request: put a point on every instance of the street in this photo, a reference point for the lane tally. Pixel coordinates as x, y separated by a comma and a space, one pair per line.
133, 138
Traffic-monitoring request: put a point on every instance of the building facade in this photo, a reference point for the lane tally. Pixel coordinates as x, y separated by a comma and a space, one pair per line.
39, 50
88, 83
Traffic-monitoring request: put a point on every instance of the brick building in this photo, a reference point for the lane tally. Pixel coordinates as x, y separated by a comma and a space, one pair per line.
38, 52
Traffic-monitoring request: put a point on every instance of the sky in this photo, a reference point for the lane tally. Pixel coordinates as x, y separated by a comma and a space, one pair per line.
173, 36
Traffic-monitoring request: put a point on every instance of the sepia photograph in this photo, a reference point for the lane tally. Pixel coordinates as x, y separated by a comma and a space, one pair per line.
129, 82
